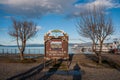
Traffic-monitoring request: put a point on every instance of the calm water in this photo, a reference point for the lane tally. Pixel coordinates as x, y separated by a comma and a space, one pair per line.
28, 50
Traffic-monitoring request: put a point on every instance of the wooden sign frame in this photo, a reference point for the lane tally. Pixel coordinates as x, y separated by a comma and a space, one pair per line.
56, 46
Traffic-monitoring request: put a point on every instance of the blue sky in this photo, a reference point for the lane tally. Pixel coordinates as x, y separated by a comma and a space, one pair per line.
52, 14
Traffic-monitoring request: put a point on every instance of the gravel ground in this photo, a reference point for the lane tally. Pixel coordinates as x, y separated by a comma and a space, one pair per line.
10, 69
86, 70
100, 74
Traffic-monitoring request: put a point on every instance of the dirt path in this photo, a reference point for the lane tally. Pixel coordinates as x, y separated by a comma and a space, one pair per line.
91, 71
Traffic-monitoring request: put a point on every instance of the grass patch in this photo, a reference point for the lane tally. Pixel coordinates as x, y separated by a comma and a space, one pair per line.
112, 64
107, 64
59, 66
64, 67
7, 59
16, 59
28, 60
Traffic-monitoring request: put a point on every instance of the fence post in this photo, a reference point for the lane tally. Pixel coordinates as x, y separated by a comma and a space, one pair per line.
15, 51
2, 51
11, 52
34, 51
39, 51
6, 52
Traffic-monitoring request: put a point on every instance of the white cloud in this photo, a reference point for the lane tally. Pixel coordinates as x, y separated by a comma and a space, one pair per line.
99, 3
38, 8
39, 27
90, 4
32, 8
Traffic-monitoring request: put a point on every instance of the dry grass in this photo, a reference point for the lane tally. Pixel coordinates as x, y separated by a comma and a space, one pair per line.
29, 58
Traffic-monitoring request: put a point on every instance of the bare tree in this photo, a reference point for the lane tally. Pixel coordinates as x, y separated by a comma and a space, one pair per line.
22, 31
95, 25
86, 27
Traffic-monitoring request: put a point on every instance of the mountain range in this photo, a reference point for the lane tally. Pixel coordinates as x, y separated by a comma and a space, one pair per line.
42, 45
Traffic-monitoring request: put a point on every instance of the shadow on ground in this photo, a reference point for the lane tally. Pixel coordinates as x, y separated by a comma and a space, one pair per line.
107, 62
77, 73
51, 71
33, 71
30, 74
70, 59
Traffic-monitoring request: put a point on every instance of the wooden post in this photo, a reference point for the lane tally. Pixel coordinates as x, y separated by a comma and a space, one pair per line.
55, 60
44, 61
68, 64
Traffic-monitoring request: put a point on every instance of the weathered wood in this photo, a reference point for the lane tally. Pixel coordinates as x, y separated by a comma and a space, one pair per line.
56, 47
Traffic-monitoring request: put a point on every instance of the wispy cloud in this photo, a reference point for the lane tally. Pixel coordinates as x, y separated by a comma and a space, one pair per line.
3, 29
99, 3
7, 17
90, 4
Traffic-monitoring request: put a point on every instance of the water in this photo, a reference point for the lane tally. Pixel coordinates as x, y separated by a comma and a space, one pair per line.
28, 50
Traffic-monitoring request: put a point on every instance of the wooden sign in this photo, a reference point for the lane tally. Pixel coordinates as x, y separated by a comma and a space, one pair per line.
56, 45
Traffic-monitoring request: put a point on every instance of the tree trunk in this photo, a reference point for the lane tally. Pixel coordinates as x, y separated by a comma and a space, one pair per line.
99, 58
21, 55
94, 47
22, 50
100, 52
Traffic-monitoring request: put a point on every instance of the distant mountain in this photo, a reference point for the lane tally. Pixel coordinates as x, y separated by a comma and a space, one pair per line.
28, 45
72, 44
81, 44
1, 45
86, 44
35, 45
42, 45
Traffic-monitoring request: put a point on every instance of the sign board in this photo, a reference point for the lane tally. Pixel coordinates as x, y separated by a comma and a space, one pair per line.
56, 45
